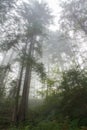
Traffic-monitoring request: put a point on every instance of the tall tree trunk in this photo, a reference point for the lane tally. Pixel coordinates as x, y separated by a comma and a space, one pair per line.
17, 101
16, 107
24, 101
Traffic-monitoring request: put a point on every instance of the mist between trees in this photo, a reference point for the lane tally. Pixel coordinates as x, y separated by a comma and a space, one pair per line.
43, 72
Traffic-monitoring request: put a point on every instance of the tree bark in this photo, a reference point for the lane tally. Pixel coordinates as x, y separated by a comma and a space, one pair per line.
26, 87
17, 102
16, 107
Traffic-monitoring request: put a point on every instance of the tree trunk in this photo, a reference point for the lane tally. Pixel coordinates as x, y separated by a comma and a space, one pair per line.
16, 107
24, 101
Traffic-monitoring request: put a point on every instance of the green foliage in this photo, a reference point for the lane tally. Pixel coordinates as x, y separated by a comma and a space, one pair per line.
52, 125
70, 100
65, 105
6, 107
47, 126
61, 106
74, 87
73, 78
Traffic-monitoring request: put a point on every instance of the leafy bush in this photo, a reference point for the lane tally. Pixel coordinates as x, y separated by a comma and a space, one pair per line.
52, 125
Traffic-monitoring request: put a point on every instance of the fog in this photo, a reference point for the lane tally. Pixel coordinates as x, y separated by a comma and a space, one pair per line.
43, 64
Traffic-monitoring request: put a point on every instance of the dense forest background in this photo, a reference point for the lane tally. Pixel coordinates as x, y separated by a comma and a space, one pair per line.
43, 65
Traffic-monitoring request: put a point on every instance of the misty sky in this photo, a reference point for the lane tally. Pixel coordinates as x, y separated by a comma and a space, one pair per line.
54, 6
